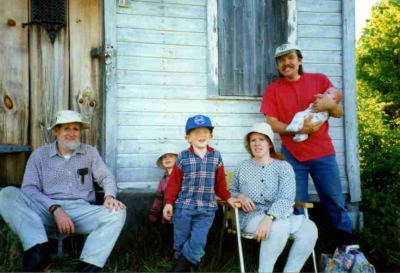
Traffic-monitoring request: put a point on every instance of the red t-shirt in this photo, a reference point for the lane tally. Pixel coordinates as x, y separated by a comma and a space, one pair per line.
283, 99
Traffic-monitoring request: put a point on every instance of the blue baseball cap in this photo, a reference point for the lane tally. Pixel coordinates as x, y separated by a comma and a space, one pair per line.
197, 122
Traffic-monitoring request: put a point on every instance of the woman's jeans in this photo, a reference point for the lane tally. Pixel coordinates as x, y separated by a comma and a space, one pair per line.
326, 177
304, 241
190, 233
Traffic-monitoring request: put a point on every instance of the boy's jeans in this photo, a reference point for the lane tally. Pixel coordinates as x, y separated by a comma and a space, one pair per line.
325, 174
33, 222
190, 233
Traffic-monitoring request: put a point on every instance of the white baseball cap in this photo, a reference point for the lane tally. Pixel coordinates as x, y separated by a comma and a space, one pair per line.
68, 116
286, 49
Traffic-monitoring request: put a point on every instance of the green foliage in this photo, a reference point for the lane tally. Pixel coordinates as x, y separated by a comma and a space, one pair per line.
378, 54
378, 78
378, 143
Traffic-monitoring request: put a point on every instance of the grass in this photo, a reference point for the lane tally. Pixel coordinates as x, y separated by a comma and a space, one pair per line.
149, 249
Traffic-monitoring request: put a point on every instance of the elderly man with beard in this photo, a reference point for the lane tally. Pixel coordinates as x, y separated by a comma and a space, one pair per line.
57, 197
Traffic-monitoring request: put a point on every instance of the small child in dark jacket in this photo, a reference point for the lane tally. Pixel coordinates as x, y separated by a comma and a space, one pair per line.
165, 161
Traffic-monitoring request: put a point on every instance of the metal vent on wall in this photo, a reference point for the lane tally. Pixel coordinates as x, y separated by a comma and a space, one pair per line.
51, 14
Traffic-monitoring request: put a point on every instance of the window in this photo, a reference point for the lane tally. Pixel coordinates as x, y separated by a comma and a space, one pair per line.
248, 32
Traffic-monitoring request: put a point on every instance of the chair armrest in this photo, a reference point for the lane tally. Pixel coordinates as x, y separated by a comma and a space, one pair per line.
224, 203
304, 205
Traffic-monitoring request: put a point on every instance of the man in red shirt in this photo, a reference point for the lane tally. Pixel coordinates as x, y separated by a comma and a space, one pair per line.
294, 91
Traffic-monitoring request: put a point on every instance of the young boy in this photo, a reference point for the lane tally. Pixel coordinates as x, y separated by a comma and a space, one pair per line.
167, 162
196, 178
298, 120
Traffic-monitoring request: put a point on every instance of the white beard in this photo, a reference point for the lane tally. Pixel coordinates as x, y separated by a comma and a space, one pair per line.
71, 147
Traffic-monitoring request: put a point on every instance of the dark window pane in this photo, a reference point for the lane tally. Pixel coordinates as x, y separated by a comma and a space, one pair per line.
249, 31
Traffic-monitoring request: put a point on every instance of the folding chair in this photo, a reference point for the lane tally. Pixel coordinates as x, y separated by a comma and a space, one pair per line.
237, 231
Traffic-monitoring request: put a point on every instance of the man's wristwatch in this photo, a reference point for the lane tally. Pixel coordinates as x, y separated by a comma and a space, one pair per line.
53, 208
271, 216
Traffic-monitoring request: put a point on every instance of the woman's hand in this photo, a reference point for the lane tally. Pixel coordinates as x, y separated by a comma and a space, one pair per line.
263, 230
248, 204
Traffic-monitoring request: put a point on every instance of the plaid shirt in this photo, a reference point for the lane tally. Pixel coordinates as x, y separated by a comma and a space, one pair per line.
159, 201
194, 181
49, 176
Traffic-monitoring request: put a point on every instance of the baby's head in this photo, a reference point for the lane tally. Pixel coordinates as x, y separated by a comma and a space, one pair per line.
334, 94
167, 161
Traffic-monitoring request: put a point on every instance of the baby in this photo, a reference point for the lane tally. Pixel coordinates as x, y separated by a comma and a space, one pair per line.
298, 120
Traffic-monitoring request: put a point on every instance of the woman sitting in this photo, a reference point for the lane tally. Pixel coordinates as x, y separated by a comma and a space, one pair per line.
267, 187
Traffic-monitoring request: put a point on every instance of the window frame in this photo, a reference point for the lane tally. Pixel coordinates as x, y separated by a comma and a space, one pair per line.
212, 48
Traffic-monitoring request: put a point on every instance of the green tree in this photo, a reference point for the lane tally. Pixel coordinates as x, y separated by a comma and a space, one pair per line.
378, 55
378, 79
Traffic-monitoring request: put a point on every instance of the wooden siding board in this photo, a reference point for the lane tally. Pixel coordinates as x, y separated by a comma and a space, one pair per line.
322, 57
330, 70
14, 90
336, 81
178, 119
161, 37
161, 65
250, 66
188, 106
310, 31
350, 100
178, 2
165, 10
85, 76
150, 174
110, 85
321, 44
238, 48
161, 23
225, 36
178, 132
230, 160
320, 19
49, 87
161, 91
162, 78
174, 119
162, 51
224, 146
212, 48
319, 6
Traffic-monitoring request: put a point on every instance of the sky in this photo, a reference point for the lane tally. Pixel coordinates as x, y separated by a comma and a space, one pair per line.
363, 12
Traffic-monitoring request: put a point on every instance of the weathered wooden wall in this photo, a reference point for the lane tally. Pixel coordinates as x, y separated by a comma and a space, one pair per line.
85, 27
35, 80
162, 80
63, 75
14, 89
49, 81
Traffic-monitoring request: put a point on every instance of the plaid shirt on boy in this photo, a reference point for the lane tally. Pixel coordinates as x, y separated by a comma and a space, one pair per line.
158, 205
195, 181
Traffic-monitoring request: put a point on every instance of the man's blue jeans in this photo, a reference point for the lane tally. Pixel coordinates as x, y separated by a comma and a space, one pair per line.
325, 174
190, 233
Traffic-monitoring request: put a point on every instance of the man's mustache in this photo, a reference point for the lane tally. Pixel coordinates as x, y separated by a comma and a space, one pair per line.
286, 66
